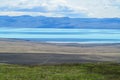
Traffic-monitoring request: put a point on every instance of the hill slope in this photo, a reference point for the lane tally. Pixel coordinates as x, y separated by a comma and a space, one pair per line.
58, 22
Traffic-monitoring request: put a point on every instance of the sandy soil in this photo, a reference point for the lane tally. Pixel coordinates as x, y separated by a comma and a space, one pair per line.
21, 46
52, 53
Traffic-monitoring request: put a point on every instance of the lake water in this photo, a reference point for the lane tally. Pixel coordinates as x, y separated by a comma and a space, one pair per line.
63, 35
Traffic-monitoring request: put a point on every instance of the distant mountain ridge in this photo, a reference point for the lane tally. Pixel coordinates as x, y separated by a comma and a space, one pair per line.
58, 22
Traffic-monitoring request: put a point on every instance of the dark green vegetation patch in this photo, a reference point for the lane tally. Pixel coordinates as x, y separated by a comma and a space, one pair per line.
86, 71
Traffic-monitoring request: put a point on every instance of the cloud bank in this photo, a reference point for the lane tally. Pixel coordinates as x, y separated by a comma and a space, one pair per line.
61, 8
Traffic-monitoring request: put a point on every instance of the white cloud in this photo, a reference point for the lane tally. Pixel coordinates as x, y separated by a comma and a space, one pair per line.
98, 8
18, 13
77, 8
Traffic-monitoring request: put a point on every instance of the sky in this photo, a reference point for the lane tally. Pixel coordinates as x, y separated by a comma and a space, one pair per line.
61, 8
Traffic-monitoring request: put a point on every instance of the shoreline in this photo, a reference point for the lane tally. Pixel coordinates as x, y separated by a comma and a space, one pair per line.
55, 42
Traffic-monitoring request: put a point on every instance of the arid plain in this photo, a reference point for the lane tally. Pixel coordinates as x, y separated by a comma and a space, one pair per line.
12, 49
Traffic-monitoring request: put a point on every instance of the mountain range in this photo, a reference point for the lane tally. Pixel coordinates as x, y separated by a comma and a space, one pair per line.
26, 21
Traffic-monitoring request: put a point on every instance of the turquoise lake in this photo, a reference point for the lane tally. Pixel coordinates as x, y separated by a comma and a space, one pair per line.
63, 35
